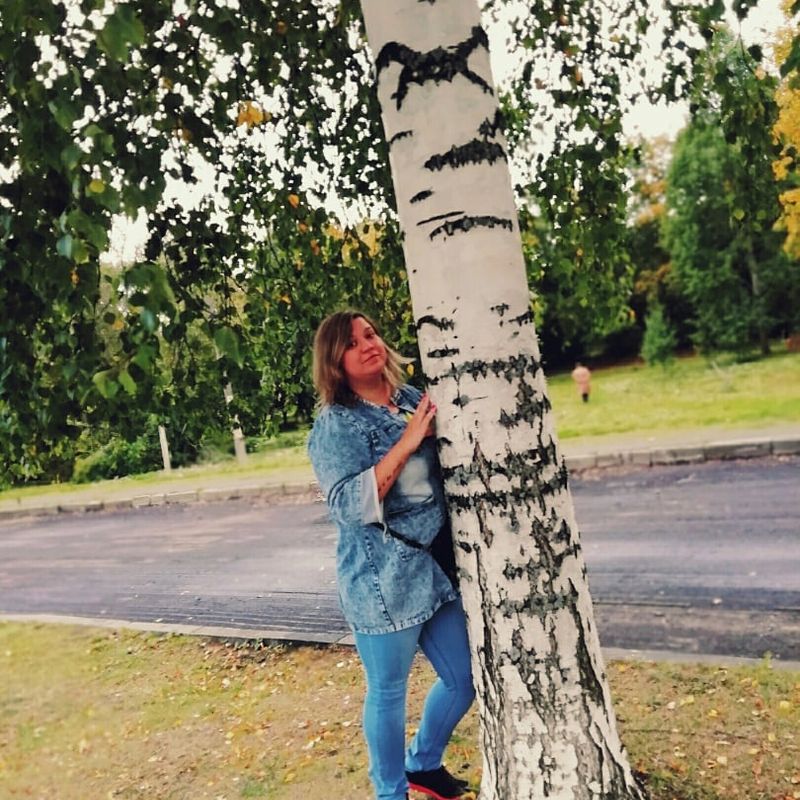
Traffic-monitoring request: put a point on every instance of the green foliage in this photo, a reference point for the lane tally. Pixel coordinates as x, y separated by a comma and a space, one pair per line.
118, 458
564, 127
659, 343
699, 232
723, 205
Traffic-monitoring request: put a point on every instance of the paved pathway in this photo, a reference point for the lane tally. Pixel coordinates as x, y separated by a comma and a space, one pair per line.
673, 558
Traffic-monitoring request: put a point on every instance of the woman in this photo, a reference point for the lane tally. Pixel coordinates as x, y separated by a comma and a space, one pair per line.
374, 455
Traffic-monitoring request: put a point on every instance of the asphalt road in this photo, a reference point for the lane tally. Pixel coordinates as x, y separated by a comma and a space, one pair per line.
700, 559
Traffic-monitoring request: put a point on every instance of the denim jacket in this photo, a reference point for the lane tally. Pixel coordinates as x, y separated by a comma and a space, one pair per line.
384, 584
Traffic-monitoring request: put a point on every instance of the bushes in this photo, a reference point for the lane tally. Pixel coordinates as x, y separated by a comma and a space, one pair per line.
658, 345
118, 458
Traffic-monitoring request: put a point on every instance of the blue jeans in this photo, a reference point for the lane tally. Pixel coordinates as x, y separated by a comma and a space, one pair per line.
387, 661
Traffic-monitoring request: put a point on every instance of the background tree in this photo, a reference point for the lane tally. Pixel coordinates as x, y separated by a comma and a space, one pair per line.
722, 204
654, 279
787, 130
659, 342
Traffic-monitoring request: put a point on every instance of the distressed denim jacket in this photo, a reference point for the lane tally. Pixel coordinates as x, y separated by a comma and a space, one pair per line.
384, 584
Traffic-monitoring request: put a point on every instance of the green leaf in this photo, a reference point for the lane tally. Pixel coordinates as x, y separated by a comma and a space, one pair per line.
64, 246
80, 253
227, 342
127, 382
144, 357
105, 383
149, 320
71, 156
122, 29
64, 113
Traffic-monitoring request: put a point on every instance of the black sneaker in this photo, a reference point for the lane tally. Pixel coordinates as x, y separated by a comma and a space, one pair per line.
438, 783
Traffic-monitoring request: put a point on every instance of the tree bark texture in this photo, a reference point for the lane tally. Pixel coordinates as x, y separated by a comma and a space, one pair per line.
547, 724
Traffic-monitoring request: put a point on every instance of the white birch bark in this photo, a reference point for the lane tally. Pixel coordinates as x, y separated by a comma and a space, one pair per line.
547, 724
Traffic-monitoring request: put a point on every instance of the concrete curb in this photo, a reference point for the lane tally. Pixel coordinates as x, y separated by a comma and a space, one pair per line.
271, 493
691, 454
657, 456
285, 636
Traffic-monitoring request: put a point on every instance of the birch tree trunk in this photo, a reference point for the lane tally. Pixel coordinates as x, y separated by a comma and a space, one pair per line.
547, 724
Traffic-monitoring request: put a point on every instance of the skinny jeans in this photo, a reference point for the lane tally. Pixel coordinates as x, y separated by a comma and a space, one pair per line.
387, 659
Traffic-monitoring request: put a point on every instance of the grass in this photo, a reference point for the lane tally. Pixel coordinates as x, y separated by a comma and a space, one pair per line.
690, 394
116, 714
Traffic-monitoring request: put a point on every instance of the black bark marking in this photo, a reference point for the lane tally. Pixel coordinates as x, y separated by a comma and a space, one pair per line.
420, 196
466, 223
503, 501
441, 324
589, 680
530, 405
439, 64
512, 369
400, 135
443, 352
493, 694
536, 604
439, 216
528, 469
489, 127
500, 309
523, 319
535, 672
462, 400
474, 152
482, 470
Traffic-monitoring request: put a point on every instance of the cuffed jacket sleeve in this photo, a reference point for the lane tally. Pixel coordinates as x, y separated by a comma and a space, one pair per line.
342, 458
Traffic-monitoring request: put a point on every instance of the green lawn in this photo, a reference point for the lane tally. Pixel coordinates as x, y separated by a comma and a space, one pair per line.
91, 714
690, 394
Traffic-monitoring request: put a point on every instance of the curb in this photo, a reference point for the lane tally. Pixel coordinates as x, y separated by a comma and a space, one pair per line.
278, 636
286, 492
692, 454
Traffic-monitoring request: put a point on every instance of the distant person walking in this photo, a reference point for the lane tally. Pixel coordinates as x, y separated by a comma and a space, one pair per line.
583, 380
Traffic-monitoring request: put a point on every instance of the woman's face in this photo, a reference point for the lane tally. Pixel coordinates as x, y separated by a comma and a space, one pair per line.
365, 355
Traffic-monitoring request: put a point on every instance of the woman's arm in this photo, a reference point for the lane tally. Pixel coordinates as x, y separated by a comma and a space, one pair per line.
418, 427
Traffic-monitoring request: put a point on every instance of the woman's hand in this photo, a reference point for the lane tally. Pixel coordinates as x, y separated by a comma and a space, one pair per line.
420, 425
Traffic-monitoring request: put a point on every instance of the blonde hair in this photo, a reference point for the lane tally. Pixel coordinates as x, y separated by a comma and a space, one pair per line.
330, 342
